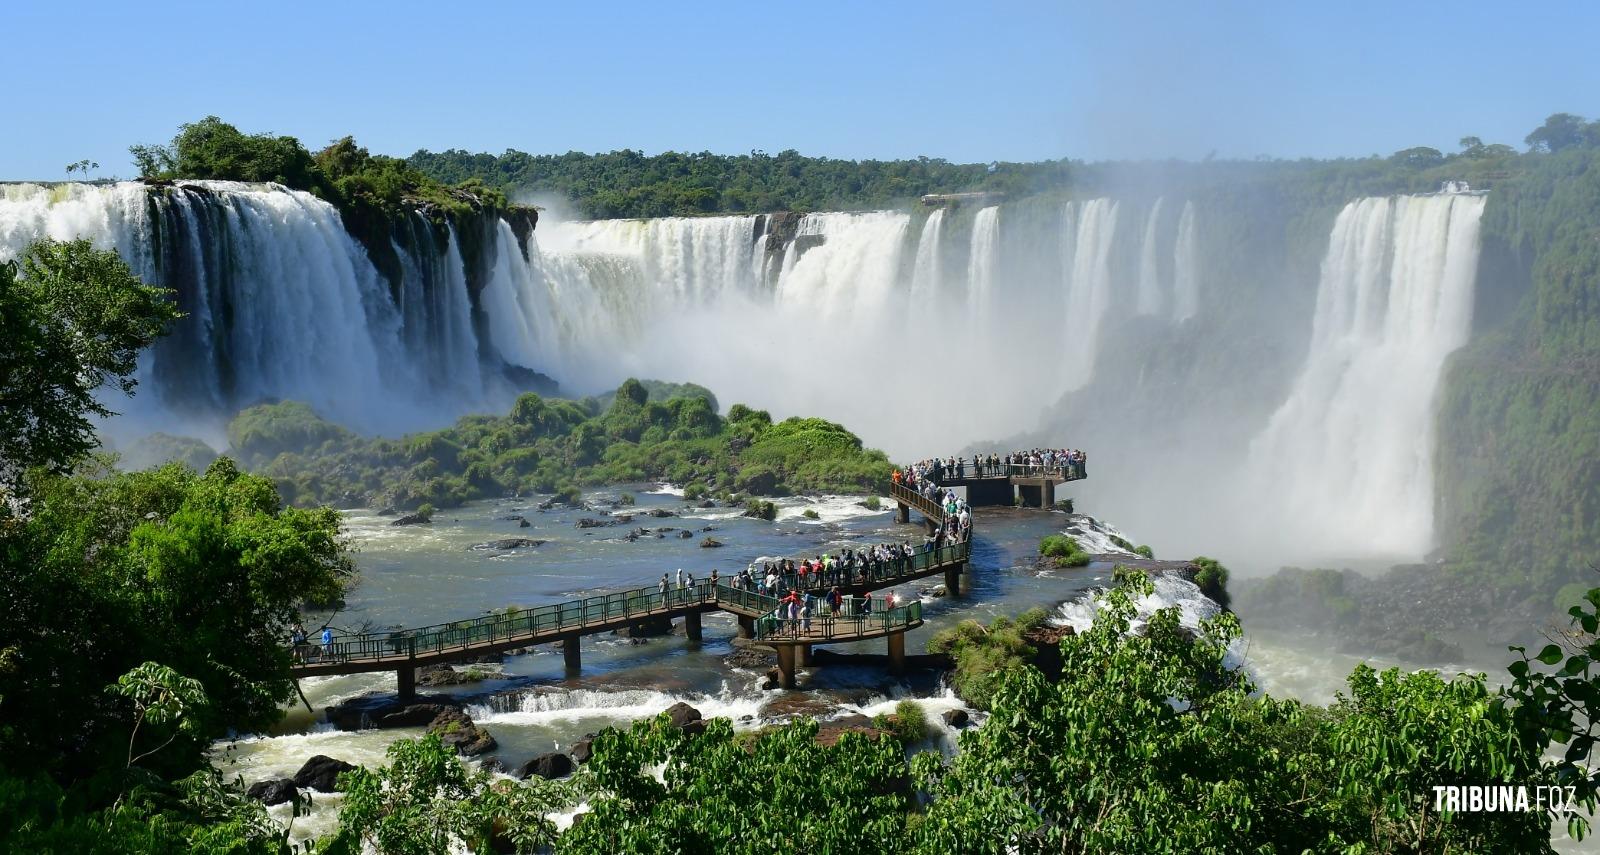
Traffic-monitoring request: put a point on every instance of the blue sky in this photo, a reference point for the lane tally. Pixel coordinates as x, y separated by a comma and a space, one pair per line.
967, 82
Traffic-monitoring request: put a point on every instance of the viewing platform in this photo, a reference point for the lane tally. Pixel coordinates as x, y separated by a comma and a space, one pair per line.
997, 484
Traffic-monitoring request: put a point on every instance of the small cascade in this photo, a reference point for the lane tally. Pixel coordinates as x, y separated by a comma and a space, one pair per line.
1149, 264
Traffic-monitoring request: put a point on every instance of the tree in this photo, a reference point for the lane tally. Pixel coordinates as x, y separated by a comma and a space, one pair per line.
72, 320
1561, 130
426, 801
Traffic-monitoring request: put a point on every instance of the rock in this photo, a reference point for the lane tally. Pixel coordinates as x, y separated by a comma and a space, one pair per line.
938, 591
709, 528
274, 792
444, 675
494, 764
749, 657
411, 519
508, 543
522, 522
829, 732
685, 534
694, 728
681, 714
457, 730
549, 766
624, 519
710, 543
388, 512
583, 749
661, 513
587, 522
708, 503
320, 773
956, 717
791, 704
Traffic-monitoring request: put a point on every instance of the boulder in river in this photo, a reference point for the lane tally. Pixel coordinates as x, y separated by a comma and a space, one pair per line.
588, 522
710, 543
412, 519
955, 718
508, 543
320, 773
661, 513
550, 766
681, 714
685, 534
457, 730
583, 749
273, 792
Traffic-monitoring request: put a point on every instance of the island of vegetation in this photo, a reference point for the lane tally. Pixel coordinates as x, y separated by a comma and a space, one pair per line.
644, 431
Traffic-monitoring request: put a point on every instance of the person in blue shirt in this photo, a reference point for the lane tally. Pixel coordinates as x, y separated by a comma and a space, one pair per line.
327, 641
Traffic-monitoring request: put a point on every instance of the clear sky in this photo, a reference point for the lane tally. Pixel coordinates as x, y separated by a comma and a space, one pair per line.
967, 82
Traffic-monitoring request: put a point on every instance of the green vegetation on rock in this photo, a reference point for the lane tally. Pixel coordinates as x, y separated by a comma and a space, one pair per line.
1064, 549
557, 446
985, 657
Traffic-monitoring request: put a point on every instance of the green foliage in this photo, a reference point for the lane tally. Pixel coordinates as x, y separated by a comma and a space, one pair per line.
426, 801
163, 699
72, 320
555, 446
810, 514
908, 722
203, 574
1064, 549
1212, 579
761, 510
1149, 743
777, 791
872, 503
161, 448
1144, 551
986, 657
425, 511
630, 184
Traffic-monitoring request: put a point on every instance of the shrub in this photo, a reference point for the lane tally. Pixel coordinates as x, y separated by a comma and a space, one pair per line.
761, 510
1145, 551
908, 722
628, 500
694, 490
1064, 549
425, 511
1213, 580
872, 503
810, 514
1064, 505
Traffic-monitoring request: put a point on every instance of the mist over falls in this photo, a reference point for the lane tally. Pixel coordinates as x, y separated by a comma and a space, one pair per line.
1254, 392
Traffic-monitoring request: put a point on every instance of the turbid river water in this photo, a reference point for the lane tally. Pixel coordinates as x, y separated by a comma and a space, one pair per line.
414, 575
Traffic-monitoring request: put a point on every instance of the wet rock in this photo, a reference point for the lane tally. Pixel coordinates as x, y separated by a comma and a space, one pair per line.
411, 519
320, 773
274, 792
509, 543
694, 728
956, 717
709, 528
681, 714
588, 522
547, 504
457, 730
550, 766
829, 732
791, 704
583, 749
708, 503
661, 513
749, 657
624, 519
522, 522
710, 543
388, 512
494, 764
444, 675
386, 711
685, 534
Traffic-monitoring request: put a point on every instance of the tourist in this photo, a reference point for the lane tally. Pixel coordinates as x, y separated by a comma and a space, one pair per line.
327, 641
663, 587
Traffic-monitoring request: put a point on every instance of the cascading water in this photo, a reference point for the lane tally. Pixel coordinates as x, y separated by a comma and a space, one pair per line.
1346, 463
1185, 268
980, 267
928, 272
1149, 264
1088, 289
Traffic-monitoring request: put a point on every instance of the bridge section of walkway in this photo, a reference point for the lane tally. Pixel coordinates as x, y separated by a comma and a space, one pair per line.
1002, 483
405, 650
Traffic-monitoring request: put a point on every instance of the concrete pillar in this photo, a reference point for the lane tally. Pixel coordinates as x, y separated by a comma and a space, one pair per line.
747, 627
903, 514
406, 682
897, 653
570, 653
952, 580
805, 654
691, 626
786, 666
1032, 495
1048, 500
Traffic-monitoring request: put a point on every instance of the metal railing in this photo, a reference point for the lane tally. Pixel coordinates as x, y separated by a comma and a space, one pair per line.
556, 618
971, 472
929, 507
823, 624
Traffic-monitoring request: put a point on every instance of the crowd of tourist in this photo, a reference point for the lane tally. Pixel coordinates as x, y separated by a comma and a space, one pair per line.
1070, 463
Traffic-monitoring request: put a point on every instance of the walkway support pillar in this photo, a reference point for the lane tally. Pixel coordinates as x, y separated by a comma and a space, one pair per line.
897, 653
952, 579
786, 666
691, 626
903, 513
1048, 499
805, 654
406, 682
747, 627
570, 653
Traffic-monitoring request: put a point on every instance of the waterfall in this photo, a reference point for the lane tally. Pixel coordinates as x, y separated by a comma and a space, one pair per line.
1149, 266
1185, 268
280, 303
980, 267
1347, 460
1088, 288
927, 271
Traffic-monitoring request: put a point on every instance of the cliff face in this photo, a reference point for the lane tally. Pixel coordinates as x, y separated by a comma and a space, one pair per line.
1519, 422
